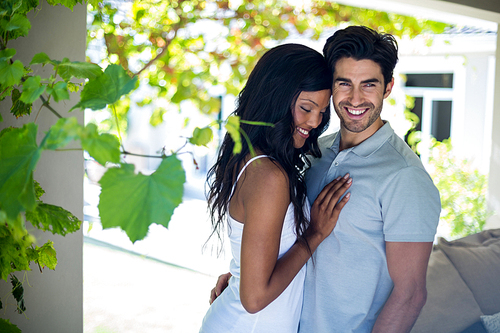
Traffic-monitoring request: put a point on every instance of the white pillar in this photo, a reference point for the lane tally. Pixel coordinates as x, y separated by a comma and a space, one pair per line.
54, 299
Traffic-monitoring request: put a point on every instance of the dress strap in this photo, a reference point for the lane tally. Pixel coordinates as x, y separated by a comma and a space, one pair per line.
243, 169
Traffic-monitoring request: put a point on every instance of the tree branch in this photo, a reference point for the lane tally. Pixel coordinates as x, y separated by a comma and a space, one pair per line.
159, 55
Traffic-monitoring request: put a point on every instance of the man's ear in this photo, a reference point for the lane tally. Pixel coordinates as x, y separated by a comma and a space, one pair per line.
388, 88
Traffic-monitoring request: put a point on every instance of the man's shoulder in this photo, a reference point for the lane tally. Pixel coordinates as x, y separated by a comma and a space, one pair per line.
326, 141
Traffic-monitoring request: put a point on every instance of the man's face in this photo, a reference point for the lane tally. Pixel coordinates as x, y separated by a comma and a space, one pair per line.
358, 95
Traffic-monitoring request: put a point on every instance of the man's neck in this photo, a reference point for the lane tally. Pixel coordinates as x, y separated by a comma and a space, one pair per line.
350, 139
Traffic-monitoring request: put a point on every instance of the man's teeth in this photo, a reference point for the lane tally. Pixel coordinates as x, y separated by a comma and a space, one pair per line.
356, 112
303, 131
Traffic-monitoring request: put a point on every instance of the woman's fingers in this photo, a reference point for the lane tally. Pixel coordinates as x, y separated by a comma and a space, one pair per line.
333, 191
222, 283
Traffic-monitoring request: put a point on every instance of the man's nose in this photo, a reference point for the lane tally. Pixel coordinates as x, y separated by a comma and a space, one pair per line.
356, 96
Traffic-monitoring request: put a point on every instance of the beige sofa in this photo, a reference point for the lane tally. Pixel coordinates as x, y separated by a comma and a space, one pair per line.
463, 286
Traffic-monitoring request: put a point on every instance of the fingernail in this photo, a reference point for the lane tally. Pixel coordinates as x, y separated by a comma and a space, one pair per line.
348, 195
346, 176
338, 178
349, 181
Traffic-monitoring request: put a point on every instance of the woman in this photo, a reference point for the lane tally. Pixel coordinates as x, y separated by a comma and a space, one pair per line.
263, 196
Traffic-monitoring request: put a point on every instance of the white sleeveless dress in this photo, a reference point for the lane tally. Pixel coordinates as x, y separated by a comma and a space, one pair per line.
226, 314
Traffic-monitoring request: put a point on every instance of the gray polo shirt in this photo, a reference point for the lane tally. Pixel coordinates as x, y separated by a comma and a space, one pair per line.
392, 199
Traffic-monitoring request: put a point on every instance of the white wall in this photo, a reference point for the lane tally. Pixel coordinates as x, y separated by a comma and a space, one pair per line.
54, 299
494, 179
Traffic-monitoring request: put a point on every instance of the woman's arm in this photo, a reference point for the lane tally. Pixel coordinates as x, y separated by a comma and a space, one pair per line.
264, 198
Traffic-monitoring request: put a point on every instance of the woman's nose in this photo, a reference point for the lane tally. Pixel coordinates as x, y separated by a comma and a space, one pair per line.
314, 119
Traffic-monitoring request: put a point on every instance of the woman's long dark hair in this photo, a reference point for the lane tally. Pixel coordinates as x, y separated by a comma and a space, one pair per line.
269, 96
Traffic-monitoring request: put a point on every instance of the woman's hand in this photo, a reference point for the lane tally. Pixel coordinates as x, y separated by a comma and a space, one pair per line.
326, 208
221, 284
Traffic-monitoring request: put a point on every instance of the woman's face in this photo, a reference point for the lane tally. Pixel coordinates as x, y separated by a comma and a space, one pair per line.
308, 113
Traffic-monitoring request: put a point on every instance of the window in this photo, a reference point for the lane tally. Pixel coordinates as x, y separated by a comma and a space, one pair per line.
433, 95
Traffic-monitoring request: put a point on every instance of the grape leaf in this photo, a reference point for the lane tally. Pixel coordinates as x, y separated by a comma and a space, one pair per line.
102, 147
80, 70
59, 91
32, 89
201, 136
7, 54
20, 23
66, 3
42, 58
19, 108
7, 327
53, 218
11, 74
13, 256
134, 201
18, 293
39, 191
44, 256
62, 132
19, 154
106, 88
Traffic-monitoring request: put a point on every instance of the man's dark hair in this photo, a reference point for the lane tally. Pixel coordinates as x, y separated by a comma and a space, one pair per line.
359, 43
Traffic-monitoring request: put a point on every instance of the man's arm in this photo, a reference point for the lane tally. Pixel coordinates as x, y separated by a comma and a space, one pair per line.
407, 263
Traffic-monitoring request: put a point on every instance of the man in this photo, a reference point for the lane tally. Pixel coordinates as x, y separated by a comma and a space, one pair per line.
369, 274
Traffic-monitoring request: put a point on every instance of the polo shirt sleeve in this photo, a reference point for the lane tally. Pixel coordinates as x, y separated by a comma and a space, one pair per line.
410, 207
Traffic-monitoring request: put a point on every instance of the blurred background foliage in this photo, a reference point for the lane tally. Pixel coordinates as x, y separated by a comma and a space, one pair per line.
199, 50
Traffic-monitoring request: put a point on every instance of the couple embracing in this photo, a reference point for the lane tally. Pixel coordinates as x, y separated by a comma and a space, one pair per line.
329, 234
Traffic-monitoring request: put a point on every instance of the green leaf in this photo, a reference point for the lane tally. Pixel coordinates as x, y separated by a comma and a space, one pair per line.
233, 128
19, 154
7, 54
19, 22
201, 136
63, 132
41, 58
54, 219
7, 327
102, 147
59, 91
19, 108
47, 255
18, 293
106, 88
11, 74
134, 201
13, 256
80, 70
66, 3
39, 191
32, 89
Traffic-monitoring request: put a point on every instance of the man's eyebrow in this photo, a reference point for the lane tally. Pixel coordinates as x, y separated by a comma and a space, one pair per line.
373, 80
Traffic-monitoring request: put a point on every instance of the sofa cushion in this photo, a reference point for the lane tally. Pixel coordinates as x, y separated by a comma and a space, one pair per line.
479, 267
450, 305
481, 237
491, 323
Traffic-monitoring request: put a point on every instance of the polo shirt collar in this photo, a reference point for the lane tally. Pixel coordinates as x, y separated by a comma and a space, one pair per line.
370, 145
